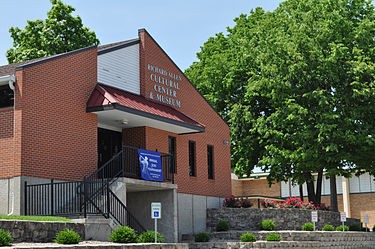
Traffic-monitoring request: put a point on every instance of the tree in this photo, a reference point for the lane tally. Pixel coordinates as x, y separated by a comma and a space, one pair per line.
296, 86
59, 33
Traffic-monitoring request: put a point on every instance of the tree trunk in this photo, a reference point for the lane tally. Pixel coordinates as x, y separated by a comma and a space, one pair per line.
318, 193
333, 198
310, 187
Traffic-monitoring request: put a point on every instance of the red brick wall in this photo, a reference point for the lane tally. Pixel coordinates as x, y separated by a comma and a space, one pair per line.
194, 106
59, 139
6, 142
135, 137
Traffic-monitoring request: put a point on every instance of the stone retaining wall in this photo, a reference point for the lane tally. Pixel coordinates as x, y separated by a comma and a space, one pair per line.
233, 236
286, 219
36, 231
112, 246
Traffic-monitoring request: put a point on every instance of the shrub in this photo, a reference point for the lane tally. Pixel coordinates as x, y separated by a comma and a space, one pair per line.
248, 237
67, 236
5, 238
230, 202
202, 237
244, 203
222, 225
273, 237
149, 237
308, 226
328, 227
339, 228
268, 225
123, 234
266, 203
355, 227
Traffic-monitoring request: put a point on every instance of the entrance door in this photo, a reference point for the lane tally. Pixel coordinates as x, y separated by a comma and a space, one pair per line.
109, 144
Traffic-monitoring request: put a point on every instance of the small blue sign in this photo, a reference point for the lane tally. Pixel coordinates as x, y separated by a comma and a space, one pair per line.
156, 214
150, 163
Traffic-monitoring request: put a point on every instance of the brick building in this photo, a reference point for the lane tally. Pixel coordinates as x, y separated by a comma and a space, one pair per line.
356, 195
64, 117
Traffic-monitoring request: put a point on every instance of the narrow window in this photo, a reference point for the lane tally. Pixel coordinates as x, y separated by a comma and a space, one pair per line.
192, 161
172, 152
210, 161
6, 96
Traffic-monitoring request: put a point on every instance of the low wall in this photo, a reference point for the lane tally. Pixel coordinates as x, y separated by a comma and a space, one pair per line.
285, 219
35, 231
300, 236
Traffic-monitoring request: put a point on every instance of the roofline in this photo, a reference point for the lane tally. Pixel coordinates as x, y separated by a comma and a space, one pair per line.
144, 30
117, 106
54, 57
120, 46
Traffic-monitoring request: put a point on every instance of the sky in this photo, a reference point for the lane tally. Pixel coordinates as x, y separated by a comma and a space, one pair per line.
179, 26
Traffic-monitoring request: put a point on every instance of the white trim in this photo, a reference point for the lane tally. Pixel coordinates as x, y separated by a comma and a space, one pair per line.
109, 127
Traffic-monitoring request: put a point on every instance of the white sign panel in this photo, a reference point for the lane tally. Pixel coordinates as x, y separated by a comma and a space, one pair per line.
365, 219
343, 217
156, 210
314, 216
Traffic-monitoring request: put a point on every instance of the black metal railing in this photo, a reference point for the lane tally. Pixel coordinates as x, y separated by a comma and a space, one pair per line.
121, 214
53, 198
93, 195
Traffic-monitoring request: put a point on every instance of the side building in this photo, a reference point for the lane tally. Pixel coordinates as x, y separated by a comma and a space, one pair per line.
96, 113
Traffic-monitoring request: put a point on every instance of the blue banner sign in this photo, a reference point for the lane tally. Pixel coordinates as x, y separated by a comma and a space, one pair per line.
150, 163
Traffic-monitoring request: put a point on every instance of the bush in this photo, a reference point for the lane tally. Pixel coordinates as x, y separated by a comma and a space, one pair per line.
5, 238
230, 202
202, 237
308, 226
149, 237
273, 237
328, 227
222, 225
268, 225
373, 228
339, 228
67, 236
123, 234
355, 227
248, 237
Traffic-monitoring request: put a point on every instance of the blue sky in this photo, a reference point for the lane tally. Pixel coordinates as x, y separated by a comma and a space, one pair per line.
180, 27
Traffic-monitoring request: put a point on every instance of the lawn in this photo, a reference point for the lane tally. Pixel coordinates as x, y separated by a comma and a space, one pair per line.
34, 218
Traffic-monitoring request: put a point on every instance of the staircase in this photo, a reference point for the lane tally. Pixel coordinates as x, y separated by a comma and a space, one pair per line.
93, 195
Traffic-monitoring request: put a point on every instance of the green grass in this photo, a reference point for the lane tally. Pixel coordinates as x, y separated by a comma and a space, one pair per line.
34, 218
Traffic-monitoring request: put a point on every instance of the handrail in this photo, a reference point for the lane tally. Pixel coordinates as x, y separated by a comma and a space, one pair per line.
117, 209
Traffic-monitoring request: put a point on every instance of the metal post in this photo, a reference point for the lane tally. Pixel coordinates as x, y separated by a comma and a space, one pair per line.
156, 230
84, 198
52, 206
25, 201
108, 203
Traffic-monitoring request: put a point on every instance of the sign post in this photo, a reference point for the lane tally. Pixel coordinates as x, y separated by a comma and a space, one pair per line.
314, 217
156, 214
343, 220
365, 220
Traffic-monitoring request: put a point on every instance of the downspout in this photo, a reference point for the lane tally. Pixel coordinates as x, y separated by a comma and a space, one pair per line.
11, 80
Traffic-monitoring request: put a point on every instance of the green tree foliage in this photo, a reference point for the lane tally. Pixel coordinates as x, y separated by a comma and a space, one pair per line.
296, 86
60, 32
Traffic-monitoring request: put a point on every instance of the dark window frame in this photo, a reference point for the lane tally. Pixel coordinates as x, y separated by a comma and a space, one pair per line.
192, 158
173, 152
210, 162
6, 96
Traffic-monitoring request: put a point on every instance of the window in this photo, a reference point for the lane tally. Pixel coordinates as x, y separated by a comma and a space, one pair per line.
192, 161
6, 96
210, 161
172, 152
